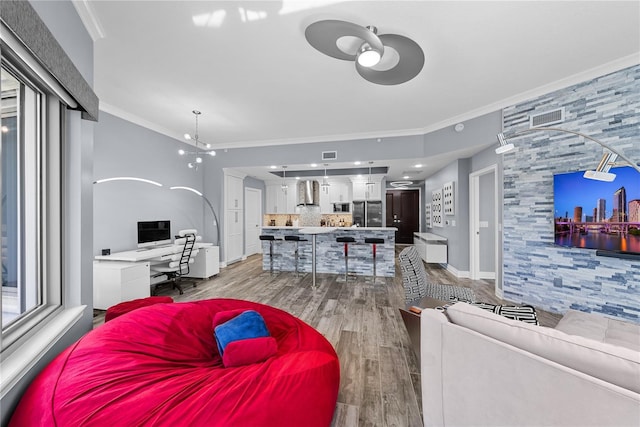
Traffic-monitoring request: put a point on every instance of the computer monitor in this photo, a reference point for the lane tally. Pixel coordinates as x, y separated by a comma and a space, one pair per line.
154, 233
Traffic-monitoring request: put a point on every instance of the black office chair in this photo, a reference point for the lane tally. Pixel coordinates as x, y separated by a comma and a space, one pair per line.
178, 266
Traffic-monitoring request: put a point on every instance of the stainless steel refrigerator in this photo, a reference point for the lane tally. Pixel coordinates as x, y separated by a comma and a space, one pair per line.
367, 213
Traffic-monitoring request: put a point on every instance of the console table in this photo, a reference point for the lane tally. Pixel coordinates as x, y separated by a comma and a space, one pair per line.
431, 247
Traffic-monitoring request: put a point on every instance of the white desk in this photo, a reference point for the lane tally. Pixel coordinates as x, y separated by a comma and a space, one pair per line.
124, 276
151, 254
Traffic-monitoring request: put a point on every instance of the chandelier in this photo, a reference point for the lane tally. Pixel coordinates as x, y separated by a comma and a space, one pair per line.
198, 153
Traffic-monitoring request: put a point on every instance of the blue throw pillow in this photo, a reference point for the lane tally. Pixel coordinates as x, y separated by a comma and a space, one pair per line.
248, 324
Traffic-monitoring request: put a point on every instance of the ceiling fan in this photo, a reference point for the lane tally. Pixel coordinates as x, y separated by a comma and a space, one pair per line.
324, 36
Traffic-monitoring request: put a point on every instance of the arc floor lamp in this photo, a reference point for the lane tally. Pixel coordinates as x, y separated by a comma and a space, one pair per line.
193, 190
602, 171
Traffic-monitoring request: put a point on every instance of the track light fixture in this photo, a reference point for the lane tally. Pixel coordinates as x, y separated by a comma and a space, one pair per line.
197, 154
602, 171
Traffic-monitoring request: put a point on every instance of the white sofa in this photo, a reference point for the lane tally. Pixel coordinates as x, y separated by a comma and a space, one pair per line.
481, 369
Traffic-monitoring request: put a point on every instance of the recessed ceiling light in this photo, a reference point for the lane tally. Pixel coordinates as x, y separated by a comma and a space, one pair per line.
419, 165
297, 177
405, 177
357, 162
273, 167
314, 165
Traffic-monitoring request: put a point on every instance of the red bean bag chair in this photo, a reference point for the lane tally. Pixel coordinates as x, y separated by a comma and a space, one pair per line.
127, 306
160, 366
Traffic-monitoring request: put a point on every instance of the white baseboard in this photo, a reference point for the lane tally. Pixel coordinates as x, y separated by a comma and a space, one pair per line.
459, 274
490, 275
244, 258
223, 264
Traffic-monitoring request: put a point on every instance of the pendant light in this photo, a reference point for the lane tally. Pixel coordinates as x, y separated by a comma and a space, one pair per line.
370, 181
284, 185
325, 184
197, 154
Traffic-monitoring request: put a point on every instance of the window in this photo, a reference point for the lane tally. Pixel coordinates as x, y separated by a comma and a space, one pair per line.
30, 215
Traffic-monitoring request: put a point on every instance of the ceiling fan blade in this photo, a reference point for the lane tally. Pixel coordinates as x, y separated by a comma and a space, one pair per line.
323, 35
409, 65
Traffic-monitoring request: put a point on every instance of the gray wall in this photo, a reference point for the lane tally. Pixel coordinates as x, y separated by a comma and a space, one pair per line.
126, 149
482, 131
63, 21
605, 108
455, 227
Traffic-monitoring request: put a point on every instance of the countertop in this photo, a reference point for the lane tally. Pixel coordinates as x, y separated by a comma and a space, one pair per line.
269, 227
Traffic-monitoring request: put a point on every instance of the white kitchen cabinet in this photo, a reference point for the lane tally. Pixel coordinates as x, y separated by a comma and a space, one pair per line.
339, 192
234, 192
279, 202
206, 263
233, 215
292, 198
115, 282
326, 207
235, 235
276, 200
362, 191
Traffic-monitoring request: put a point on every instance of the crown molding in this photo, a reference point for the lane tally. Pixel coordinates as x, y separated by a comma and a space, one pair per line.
89, 19
601, 70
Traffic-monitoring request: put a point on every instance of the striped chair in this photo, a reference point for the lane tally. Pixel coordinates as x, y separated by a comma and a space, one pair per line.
414, 280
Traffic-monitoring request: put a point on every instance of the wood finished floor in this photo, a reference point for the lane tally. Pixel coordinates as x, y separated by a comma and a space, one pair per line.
380, 376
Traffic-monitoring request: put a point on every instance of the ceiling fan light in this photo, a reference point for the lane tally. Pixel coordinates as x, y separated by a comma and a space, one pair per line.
368, 56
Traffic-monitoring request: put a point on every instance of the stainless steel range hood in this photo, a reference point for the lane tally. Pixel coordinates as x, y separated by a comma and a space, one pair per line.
308, 193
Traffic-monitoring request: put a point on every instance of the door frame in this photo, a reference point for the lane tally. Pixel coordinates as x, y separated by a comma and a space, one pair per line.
474, 225
246, 218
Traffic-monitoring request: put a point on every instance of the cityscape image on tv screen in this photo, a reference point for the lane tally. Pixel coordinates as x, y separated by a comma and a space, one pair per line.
596, 214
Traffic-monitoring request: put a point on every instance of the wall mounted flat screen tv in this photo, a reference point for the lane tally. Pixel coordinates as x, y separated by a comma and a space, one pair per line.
598, 215
154, 233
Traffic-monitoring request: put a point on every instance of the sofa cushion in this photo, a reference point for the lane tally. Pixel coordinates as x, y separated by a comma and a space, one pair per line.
610, 363
523, 313
600, 328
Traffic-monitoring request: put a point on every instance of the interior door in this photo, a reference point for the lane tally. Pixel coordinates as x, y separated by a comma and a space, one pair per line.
403, 212
253, 220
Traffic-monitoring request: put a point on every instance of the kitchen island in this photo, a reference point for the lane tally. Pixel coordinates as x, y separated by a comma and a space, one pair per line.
329, 253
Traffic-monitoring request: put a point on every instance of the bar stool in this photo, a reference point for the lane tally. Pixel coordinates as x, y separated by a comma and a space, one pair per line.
374, 241
296, 239
346, 240
270, 239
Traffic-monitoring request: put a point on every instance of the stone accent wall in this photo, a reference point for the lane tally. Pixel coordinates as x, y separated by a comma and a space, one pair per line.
608, 109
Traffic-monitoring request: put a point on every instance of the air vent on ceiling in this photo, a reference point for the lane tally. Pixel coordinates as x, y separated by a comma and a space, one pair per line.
546, 119
329, 155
